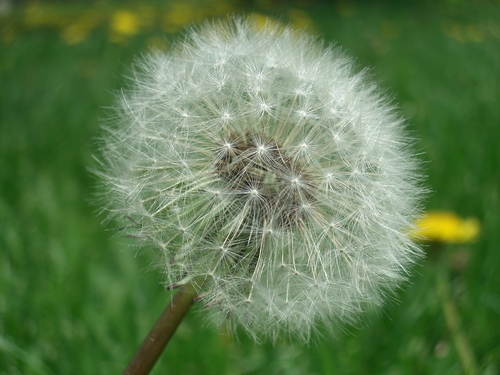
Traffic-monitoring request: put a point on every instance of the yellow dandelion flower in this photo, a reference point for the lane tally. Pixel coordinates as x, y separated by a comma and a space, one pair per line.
124, 22
261, 22
446, 227
300, 19
74, 33
454, 31
474, 33
79, 30
178, 16
38, 16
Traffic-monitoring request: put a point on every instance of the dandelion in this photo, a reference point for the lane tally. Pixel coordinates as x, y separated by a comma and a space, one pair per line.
268, 174
123, 24
446, 227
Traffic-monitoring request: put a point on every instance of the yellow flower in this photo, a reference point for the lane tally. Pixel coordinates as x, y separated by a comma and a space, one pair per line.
300, 19
262, 22
80, 29
179, 15
446, 227
124, 22
74, 33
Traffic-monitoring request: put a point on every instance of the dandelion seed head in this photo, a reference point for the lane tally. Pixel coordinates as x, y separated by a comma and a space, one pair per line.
258, 160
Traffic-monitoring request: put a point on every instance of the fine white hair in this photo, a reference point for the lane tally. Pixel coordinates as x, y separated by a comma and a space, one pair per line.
269, 172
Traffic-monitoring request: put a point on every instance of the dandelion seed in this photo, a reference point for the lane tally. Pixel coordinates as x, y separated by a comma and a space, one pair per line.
255, 159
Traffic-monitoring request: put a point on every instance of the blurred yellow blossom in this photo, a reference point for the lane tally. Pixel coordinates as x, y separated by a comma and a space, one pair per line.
124, 22
178, 16
300, 19
79, 30
447, 227
74, 33
261, 21
36, 15
464, 33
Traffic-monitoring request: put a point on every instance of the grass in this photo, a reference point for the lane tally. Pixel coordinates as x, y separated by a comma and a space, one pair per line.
75, 299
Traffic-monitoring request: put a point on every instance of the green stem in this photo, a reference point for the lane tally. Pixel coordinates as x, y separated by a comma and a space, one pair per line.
161, 333
452, 317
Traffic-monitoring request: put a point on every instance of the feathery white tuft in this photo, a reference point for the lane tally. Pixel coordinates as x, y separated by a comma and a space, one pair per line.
256, 160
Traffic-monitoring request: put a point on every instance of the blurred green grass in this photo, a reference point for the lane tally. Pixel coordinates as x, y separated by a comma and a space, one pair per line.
75, 299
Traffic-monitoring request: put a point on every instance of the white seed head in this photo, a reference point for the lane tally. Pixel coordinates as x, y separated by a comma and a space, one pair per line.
256, 160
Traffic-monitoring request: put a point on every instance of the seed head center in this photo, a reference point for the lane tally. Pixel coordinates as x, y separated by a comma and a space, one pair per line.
255, 165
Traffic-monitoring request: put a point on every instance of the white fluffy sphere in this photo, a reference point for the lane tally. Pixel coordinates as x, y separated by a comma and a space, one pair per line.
265, 169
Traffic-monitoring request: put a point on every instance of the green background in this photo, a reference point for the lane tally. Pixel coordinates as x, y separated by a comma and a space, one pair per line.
75, 299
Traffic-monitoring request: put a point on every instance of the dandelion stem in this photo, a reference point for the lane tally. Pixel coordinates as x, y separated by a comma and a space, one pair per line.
161, 333
452, 316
